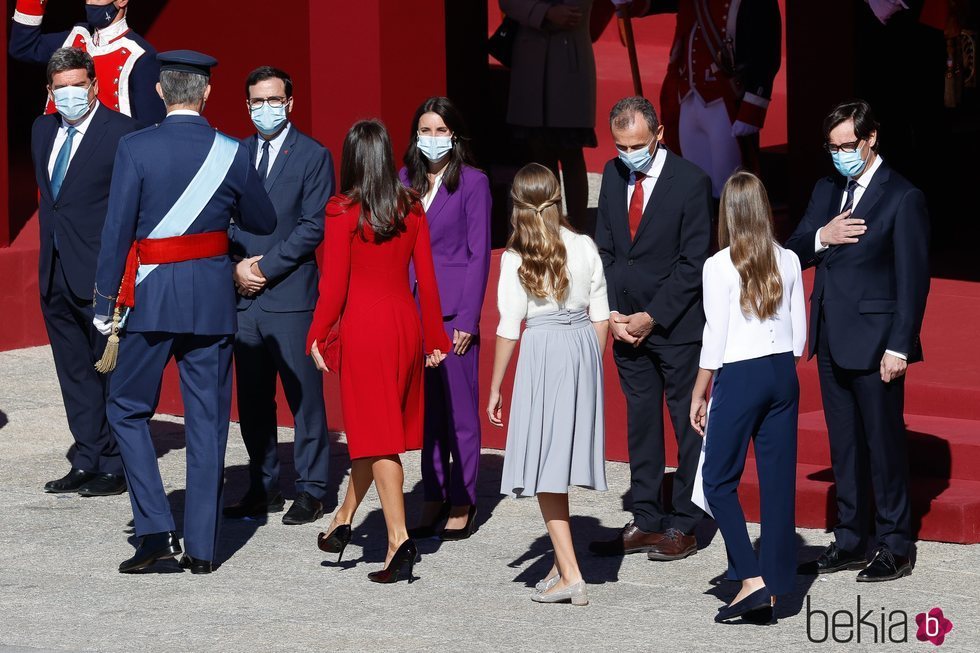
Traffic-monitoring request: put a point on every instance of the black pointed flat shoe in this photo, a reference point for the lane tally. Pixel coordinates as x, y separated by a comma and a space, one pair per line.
754, 604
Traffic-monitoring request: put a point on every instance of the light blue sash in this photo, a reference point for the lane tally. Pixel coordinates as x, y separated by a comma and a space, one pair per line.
196, 196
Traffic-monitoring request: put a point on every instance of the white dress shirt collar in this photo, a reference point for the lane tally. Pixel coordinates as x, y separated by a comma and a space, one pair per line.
274, 143
865, 179
108, 34
183, 112
82, 125
656, 167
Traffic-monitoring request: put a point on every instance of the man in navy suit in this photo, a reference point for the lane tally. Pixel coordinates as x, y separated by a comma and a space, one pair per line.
175, 188
866, 231
73, 152
277, 280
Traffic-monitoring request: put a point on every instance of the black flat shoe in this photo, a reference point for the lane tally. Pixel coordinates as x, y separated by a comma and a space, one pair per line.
104, 485
832, 559
255, 504
429, 530
70, 482
885, 566
403, 560
455, 534
754, 604
305, 510
336, 541
196, 566
153, 547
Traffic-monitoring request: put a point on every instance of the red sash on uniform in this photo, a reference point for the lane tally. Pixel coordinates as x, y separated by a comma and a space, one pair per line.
154, 251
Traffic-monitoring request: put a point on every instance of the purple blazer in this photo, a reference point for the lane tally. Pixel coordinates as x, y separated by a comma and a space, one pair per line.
459, 227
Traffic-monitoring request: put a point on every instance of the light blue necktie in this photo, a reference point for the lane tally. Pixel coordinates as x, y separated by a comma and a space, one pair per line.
61, 164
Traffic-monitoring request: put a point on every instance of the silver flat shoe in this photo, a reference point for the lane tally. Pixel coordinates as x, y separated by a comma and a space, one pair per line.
574, 594
547, 583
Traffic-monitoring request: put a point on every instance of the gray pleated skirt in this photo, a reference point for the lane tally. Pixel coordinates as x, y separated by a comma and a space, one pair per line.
556, 435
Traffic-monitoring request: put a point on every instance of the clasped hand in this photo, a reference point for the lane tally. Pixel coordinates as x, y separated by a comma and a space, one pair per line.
631, 329
842, 230
249, 279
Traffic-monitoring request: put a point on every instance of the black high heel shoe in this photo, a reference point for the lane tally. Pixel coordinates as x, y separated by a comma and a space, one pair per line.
404, 559
429, 530
336, 541
756, 607
455, 534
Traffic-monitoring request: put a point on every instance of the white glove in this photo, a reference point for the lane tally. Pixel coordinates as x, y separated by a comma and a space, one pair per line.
740, 128
885, 9
103, 323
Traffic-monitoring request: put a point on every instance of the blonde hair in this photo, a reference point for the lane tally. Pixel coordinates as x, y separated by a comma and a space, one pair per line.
537, 221
745, 224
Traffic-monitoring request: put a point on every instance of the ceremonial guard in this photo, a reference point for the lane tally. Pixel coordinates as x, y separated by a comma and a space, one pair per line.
175, 188
125, 64
723, 61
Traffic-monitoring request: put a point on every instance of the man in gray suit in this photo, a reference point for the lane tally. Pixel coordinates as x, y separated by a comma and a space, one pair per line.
276, 278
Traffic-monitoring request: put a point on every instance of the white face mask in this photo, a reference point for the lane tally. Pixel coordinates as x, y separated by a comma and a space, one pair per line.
72, 102
435, 147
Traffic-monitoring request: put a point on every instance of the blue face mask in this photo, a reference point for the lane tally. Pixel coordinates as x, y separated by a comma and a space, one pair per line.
435, 147
849, 164
72, 102
101, 16
268, 120
637, 160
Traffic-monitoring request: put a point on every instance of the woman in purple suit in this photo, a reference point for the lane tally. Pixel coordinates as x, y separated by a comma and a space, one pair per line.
456, 199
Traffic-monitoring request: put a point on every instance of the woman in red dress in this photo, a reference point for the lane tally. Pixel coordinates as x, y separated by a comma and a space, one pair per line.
373, 230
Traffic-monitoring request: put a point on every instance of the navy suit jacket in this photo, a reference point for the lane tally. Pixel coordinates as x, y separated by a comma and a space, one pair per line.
77, 216
153, 167
872, 294
299, 184
659, 271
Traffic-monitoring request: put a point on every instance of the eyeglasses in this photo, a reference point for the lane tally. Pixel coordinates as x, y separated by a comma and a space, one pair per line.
273, 102
843, 147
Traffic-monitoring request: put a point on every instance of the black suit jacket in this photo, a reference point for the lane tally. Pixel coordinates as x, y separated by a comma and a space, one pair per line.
872, 293
299, 184
80, 210
660, 270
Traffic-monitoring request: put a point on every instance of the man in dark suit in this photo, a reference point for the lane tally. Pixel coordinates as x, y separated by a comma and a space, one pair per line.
73, 152
867, 232
653, 233
277, 284
175, 188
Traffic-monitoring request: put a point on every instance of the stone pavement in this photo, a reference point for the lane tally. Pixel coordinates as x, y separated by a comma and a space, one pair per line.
59, 589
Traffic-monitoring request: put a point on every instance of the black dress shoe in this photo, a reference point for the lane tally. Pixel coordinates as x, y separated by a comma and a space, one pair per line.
255, 504
104, 485
196, 566
70, 482
832, 559
153, 547
456, 534
885, 566
305, 509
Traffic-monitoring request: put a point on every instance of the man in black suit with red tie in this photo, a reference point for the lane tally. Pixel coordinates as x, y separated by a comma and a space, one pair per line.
866, 231
653, 232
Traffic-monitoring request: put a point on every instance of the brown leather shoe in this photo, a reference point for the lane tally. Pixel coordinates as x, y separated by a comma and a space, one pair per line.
630, 540
674, 545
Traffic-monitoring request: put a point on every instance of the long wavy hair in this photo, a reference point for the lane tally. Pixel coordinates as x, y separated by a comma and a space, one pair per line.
418, 166
745, 224
368, 177
537, 220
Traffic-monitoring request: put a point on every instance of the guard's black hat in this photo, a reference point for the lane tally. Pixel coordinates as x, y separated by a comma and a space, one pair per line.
187, 61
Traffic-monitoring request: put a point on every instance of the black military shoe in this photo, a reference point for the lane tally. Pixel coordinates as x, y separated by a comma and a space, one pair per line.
885, 566
104, 485
70, 482
196, 566
153, 547
255, 504
305, 509
832, 559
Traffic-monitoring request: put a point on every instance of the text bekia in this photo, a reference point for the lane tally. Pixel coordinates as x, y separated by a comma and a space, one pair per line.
872, 626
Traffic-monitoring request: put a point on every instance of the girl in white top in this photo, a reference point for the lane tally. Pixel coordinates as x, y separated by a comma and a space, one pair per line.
754, 334
552, 279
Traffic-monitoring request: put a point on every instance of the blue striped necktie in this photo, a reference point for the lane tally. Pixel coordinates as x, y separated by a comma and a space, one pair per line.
61, 163
849, 195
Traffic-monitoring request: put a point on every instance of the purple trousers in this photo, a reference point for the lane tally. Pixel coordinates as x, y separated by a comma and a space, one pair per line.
451, 448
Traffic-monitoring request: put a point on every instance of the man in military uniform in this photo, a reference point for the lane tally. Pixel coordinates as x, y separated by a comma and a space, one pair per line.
125, 64
175, 188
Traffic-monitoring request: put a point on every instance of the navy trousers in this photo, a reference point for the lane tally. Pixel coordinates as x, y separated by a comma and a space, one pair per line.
76, 345
756, 399
204, 363
267, 345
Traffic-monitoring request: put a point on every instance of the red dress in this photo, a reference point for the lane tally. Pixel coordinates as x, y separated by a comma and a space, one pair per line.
364, 284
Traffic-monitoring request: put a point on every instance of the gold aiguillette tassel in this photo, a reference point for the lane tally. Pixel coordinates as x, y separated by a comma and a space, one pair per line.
108, 361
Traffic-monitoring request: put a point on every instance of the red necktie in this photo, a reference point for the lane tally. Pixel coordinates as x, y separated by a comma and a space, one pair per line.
636, 204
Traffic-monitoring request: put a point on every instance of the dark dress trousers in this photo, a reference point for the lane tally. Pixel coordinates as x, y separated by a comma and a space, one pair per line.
272, 326
659, 271
184, 311
867, 297
66, 275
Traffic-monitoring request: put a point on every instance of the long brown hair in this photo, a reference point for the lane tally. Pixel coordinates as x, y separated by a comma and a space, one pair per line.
537, 221
745, 224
